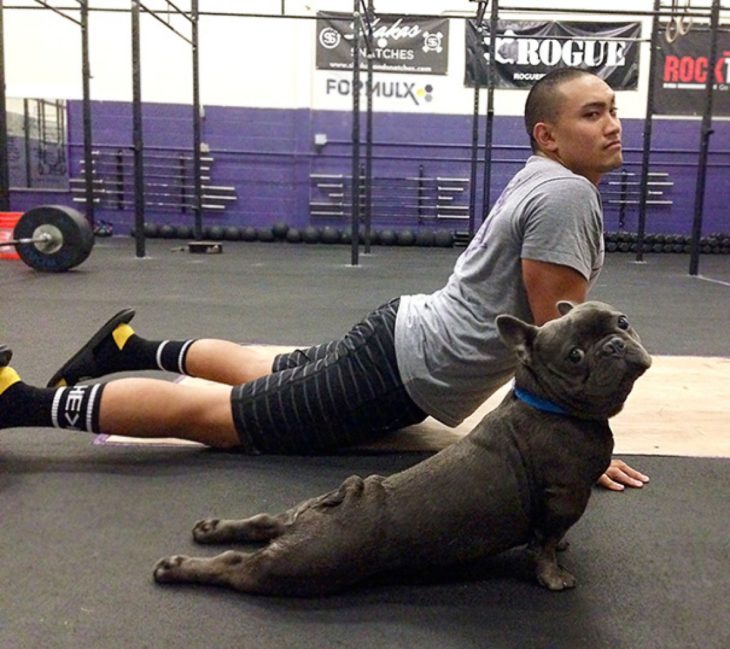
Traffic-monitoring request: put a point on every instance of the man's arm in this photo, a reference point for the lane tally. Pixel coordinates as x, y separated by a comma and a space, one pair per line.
546, 284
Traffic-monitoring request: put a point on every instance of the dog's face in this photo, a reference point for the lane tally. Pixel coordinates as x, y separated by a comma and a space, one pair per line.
586, 361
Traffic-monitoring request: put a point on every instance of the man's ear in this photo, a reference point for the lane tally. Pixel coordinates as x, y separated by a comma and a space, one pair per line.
565, 306
517, 335
543, 135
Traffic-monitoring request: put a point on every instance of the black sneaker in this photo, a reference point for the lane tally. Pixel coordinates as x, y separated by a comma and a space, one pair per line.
82, 365
5, 355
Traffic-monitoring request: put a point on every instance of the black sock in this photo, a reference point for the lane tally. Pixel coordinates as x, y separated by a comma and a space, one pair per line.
129, 351
77, 408
23, 405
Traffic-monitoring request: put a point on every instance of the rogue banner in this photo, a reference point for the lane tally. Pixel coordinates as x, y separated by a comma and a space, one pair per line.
401, 43
527, 50
681, 75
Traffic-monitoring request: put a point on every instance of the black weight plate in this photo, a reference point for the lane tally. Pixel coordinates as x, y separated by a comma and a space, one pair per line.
78, 238
74, 217
87, 234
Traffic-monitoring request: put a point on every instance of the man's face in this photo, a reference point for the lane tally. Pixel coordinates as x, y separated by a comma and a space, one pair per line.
585, 136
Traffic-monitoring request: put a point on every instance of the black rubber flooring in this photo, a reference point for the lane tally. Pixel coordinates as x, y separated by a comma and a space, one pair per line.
82, 525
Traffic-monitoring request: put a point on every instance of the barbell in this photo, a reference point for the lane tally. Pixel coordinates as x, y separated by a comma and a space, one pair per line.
52, 238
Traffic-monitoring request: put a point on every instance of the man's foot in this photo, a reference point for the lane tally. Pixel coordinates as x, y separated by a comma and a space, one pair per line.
84, 364
23, 405
5, 355
8, 377
8, 380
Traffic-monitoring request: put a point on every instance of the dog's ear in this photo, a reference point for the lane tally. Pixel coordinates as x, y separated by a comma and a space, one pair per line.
564, 306
517, 335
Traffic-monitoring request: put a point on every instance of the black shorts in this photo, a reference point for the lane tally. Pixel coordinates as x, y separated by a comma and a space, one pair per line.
330, 396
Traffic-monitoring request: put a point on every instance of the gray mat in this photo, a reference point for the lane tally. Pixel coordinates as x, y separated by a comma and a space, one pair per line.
83, 526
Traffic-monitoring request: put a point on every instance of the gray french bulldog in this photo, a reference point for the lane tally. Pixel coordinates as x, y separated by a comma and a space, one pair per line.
522, 476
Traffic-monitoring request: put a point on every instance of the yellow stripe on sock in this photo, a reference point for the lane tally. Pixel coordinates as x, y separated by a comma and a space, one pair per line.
121, 335
8, 377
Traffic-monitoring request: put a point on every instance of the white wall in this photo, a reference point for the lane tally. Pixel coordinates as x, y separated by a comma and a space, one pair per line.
261, 62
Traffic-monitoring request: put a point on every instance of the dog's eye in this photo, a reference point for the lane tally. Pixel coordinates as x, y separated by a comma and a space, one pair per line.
623, 322
576, 355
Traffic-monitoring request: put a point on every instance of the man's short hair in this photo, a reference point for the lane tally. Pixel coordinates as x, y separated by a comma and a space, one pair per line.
543, 100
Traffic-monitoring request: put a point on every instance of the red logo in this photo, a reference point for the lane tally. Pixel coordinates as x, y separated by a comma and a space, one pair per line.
689, 69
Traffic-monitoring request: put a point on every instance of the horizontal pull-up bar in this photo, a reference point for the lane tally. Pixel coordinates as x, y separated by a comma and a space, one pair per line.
695, 13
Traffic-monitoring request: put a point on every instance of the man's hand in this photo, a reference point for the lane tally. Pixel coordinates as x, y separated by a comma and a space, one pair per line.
619, 474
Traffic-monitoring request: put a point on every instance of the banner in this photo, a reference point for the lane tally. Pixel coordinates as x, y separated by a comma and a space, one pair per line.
401, 43
527, 50
681, 74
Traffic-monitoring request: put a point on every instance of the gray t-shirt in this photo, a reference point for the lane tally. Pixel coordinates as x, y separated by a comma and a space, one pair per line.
449, 353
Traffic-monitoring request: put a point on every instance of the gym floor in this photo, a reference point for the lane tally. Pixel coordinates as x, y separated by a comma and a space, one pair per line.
84, 523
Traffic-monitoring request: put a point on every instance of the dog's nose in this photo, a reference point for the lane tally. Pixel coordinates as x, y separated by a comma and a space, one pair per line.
615, 347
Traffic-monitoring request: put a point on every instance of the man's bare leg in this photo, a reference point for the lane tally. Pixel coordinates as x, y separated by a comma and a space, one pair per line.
230, 363
154, 408
137, 407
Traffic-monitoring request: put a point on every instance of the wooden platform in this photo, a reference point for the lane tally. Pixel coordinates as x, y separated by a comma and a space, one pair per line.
680, 407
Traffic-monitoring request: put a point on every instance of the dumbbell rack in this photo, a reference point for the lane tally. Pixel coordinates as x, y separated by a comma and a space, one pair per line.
169, 182
623, 188
412, 200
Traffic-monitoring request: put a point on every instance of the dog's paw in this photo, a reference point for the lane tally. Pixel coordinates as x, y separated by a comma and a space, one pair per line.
168, 569
205, 531
554, 577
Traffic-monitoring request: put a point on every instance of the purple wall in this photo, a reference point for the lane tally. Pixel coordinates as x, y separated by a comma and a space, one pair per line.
268, 155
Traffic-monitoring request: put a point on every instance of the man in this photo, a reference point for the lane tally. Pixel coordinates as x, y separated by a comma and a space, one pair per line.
417, 355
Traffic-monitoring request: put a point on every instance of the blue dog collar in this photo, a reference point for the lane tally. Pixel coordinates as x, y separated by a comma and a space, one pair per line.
539, 403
